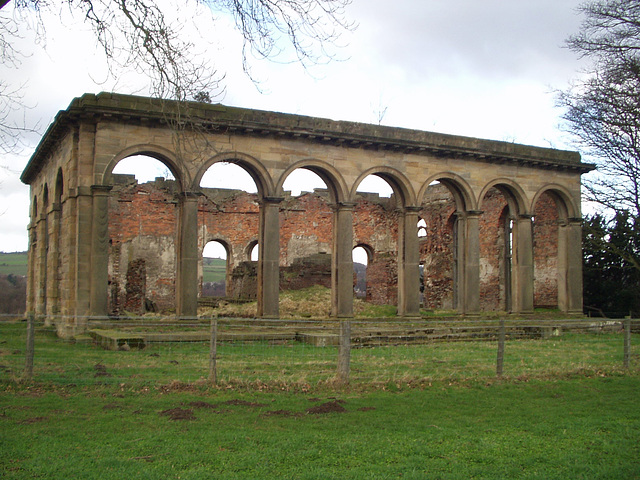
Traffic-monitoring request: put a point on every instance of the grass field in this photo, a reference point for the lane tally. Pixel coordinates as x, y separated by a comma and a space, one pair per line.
13, 263
565, 410
214, 269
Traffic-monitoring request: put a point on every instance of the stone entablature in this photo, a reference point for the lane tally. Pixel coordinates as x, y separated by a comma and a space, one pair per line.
70, 175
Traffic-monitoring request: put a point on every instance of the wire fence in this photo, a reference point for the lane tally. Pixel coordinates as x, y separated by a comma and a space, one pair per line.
146, 352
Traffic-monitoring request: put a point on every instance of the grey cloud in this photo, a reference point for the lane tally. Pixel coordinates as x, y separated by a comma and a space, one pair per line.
493, 38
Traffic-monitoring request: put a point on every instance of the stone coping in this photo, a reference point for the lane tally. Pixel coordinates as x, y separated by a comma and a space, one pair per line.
218, 118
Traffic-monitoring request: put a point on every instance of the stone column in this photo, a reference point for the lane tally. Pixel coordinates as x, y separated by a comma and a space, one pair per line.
269, 258
53, 263
100, 249
41, 259
83, 249
31, 263
470, 281
570, 266
342, 261
187, 268
409, 264
523, 265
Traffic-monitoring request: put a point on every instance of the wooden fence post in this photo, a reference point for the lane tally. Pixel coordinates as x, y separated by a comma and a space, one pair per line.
627, 342
28, 362
501, 338
344, 351
213, 352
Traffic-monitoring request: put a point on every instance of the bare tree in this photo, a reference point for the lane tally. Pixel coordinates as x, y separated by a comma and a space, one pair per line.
603, 110
136, 34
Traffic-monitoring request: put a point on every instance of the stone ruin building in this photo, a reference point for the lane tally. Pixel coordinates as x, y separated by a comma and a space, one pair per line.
472, 225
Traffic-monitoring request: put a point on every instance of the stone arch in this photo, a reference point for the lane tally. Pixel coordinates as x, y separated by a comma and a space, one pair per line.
59, 187
330, 176
556, 249
401, 186
513, 193
161, 154
459, 188
251, 165
566, 206
56, 244
449, 256
510, 256
228, 248
368, 250
45, 197
249, 249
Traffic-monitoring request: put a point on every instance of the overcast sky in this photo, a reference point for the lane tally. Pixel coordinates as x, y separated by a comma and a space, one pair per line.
484, 69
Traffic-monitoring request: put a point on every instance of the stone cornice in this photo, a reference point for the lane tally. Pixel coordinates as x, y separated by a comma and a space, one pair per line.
216, 118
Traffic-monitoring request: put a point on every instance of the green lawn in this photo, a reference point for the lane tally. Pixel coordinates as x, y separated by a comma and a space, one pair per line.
214, 269
13, 263
565, 410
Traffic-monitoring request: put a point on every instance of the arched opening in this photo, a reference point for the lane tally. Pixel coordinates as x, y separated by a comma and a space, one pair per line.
215, 269
44, 251
422, 228
376, 225
253, 251
144, 212
57, 266
229, 222
496, 251
306, 233
438, 246
362, 255
545, 251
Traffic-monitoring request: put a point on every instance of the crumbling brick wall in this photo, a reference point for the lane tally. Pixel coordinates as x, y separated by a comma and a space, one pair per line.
143, 221
143, 226
545, 252
493, 255
437, 252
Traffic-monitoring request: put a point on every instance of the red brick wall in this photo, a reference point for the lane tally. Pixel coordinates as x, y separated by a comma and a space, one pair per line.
545, 252
492, 252
437, 249
143, 225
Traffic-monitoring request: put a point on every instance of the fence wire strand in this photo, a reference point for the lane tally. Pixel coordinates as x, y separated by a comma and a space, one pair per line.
145, 352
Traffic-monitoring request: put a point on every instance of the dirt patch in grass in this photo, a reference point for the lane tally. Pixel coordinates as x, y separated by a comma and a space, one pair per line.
101, 370
328, 407
176, 386
32, 420
201, 404
178, 414
244, 403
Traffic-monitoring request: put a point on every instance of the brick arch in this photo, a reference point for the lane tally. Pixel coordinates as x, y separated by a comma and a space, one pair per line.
399, 183
459, 188
222, 241
251, 165
566, 206
513, 193
369, 250
249, 249
330, 176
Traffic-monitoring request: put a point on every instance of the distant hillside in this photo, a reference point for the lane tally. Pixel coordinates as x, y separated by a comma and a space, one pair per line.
13, 263
214, 269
